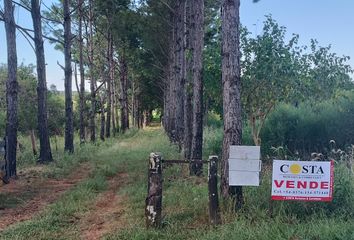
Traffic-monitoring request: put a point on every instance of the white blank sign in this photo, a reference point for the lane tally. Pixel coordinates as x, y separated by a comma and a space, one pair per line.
244, 165
245, 152
238, 178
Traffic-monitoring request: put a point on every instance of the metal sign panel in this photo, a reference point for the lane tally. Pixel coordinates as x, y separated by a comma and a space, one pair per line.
239, 178
244, 165
302, 180
245, 152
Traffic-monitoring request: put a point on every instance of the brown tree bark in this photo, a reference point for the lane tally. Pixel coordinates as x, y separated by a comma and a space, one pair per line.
113, 90
170, 93
231, 83
180, 68
109, 85
124, 93
135, 105
188, 88
116, 99
197, 20
11, 90
69, 123
45, 153
82, 76
92, 76
103, 120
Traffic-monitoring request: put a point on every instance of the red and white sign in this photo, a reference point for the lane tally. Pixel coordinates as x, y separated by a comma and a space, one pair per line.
302, 180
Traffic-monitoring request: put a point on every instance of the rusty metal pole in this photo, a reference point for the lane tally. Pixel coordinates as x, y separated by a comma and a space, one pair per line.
153, 200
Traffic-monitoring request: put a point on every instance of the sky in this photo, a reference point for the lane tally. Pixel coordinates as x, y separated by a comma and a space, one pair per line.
328, 21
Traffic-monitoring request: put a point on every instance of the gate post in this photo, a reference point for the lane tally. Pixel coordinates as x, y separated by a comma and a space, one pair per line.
153, 202
214, 212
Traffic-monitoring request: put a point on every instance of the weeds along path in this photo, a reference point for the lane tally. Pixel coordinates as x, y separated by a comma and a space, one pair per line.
31, 193
103, 201
85, 205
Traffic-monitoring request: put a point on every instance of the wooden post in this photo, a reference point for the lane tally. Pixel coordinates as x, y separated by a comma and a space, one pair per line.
214, 213
153, 201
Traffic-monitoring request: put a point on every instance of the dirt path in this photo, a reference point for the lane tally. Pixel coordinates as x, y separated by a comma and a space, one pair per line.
105, 216
33, 193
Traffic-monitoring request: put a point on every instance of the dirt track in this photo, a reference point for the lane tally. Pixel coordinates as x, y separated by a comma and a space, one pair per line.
33, 193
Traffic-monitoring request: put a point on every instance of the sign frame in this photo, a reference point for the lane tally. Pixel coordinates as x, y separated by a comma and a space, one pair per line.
304, 183
244, 165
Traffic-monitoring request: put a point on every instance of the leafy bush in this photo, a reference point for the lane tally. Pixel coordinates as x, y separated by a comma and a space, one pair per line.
214, 120
212, 141
309, 127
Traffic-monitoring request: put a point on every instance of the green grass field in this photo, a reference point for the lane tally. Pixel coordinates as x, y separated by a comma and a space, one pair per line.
185, 200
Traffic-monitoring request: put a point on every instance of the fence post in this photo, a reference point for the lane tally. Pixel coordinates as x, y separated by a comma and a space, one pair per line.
153, 200
214, 213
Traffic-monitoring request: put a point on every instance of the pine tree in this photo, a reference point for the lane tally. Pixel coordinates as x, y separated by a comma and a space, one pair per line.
231, 82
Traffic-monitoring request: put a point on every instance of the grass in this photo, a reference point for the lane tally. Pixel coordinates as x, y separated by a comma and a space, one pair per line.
185, 200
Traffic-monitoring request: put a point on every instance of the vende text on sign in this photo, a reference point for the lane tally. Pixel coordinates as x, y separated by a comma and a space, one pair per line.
302, 180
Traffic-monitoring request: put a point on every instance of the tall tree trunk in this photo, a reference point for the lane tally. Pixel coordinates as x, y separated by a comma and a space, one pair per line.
145, 119
109, 86
45, 153
124, 94
102, 118
11, 90
116, 99
137, 109
133, 102
180, 69
187, 142
113, 90
170, 115
33, 142
231, 83
166, 102
197, 73
82, 76
69, 124
92, 76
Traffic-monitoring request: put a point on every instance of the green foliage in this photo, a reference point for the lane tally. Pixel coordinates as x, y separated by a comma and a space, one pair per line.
27, 102
27, 98
56, 113
309, 127
185, 209
185, 199
212, 142
25, 155
268, 68
212, 58
327, 72
269, 72
274, 70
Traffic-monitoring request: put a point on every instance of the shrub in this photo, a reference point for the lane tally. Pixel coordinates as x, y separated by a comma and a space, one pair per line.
309, 127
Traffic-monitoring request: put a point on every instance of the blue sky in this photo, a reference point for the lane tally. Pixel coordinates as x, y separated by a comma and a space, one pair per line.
328, 21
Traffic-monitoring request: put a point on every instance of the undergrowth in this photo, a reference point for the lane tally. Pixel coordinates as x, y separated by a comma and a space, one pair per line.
185, 200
